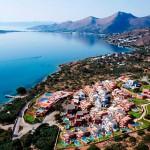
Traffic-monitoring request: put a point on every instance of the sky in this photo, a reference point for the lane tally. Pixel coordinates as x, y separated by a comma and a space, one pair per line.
63, 10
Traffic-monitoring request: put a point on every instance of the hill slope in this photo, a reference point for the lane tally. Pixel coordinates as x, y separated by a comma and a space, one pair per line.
117, 23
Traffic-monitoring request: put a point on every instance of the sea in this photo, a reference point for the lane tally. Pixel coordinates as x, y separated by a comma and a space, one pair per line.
27, 57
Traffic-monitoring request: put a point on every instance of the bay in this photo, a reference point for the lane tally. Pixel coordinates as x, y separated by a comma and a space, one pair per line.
27, 57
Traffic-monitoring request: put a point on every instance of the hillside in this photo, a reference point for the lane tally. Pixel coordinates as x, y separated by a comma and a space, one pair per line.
139, 37
116, 23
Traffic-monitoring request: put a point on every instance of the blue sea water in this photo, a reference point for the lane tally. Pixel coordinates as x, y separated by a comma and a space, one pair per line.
27, 57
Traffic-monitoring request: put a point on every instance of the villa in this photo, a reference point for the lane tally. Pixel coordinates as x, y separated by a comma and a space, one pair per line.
45, 102
99, 110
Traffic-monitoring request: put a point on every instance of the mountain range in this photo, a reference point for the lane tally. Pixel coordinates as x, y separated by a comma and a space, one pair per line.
116, 23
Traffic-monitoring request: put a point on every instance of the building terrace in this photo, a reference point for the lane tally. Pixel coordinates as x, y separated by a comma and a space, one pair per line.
42, 105
101, 109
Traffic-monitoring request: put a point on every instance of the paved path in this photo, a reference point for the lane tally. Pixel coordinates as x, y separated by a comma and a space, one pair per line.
144, 108
146, 112
19, 121
6, 127
50, 119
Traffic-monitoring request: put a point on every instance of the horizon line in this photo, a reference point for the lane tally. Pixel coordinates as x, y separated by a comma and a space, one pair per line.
51, 21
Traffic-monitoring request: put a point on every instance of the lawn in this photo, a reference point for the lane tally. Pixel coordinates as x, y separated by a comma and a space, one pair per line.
140, 101
146, 86
29, 118
135, 114
145, 124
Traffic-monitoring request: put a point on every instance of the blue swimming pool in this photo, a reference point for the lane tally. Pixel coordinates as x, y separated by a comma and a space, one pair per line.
48, 94
43, 100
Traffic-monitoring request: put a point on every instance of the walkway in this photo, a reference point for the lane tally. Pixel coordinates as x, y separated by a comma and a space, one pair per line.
26, 127
144, 108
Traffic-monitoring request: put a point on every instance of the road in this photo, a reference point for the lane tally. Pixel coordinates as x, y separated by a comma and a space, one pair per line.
50, 119
18, 121
6, 127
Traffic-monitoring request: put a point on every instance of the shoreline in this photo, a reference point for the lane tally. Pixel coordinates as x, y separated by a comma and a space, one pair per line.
74, 75
54, 73
86, 72
58, 67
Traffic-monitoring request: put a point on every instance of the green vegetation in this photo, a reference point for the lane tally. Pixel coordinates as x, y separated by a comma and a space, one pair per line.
115, 146
5, 136
147, 116
146, 86
146, 138
21, 91
76, 75
132, 139
73, 76
144, 124
43, 138
148, 128
140, 101
6, 143
140, 132
11, 111
93, 147
29, 118
117, 138
135, 114
142, 146
148, 109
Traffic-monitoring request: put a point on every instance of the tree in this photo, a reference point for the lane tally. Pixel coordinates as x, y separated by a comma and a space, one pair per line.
93, 147
115, 146
117, 138
142, 146
27, 140
146, 138
21, 91
141, 132
132, 139
16, 145
148, 128
58, 118
147, 116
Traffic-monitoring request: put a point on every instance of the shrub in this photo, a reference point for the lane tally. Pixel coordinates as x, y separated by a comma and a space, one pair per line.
13, 110
58, 118
146, 138
132, 139
29, 118
141, 132
93, 147
21, 91
142, 146
44, 137
148, 128
117, 138
147, 116
115, 146
125, 135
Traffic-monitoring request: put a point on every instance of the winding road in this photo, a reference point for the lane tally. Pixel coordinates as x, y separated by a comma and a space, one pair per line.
26, 127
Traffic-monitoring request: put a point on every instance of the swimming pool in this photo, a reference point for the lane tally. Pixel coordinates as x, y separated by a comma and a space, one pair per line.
48, 94
43, 100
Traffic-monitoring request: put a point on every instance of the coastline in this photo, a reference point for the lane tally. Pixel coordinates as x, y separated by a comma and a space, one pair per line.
74, 75
59, 67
